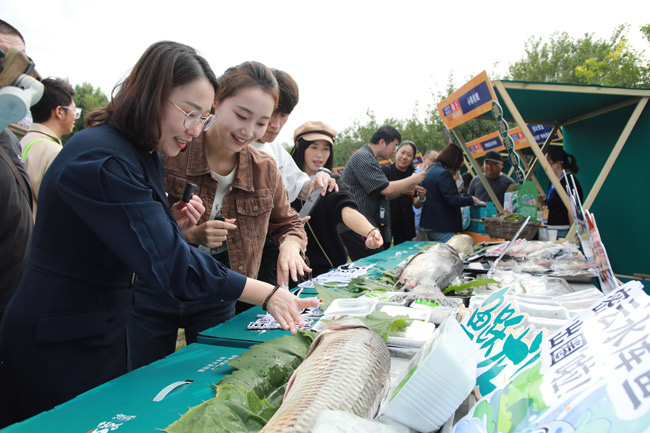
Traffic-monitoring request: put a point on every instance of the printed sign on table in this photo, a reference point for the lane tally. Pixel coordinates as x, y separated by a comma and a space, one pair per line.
593, 376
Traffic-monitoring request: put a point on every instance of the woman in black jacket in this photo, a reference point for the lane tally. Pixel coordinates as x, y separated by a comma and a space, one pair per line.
441, 210
402, 217
313, 152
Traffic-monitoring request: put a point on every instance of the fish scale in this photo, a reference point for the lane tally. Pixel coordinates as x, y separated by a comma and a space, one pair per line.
347, 369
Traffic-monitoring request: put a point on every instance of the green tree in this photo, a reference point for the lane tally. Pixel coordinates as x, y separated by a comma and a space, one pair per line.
585, 60
88, 99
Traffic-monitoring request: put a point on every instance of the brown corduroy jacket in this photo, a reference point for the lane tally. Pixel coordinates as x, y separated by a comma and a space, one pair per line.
256, 199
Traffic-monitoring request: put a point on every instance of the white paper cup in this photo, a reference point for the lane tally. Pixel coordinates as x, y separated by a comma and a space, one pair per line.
552, 234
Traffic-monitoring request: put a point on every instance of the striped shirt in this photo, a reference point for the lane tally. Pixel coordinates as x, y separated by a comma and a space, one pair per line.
365, 179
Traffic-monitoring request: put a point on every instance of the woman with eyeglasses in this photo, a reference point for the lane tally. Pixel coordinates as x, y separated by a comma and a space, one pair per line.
104, 215
245, 198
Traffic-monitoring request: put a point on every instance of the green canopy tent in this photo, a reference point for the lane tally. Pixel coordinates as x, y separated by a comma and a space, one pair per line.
607, 129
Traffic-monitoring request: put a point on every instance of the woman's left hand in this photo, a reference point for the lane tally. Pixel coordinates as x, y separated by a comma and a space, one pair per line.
374, 240
290, 263
285, 307
188, 214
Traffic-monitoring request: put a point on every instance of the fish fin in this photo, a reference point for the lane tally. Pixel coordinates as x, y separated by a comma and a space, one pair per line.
292, 379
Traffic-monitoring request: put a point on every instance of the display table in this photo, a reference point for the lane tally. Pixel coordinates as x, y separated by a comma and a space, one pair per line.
126, 404
234, 333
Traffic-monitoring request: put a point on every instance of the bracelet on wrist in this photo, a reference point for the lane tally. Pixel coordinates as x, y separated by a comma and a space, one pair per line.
323, 169
372, 230
266, 301
422, 201
290, 242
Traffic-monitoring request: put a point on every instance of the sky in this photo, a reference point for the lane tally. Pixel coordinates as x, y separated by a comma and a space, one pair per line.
348, 57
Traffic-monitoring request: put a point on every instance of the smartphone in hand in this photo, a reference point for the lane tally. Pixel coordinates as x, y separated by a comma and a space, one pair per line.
311, 201
190, 189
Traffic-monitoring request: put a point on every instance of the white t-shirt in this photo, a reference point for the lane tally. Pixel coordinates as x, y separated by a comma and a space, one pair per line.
293, 177
223, 187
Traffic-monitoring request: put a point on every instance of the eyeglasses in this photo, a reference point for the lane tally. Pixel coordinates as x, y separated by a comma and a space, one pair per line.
77, 111
194, 118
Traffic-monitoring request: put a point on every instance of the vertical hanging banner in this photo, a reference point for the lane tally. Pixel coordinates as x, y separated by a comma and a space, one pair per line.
468, 102
508, 142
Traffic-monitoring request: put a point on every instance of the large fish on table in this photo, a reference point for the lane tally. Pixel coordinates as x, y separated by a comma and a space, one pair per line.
430, 272
347, 368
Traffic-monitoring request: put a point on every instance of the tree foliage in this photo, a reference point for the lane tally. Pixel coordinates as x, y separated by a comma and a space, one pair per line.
608, 62
88, 99
585, 60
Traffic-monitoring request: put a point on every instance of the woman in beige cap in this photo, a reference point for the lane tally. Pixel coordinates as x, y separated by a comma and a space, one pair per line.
314, 152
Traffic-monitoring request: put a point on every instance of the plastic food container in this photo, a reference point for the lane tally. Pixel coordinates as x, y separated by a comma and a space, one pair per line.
440, 378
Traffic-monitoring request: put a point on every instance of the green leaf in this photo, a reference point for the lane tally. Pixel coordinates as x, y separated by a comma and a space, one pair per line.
471, 284
234, 409
383, 323
246, 399
328, 295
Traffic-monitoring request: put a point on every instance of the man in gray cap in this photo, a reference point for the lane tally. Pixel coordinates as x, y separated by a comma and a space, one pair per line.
492, 166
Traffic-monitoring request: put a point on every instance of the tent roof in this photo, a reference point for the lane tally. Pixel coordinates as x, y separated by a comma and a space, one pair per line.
560, 104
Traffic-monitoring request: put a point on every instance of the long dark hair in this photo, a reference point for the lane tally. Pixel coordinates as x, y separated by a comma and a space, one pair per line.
137, 103
568, 161
298, 154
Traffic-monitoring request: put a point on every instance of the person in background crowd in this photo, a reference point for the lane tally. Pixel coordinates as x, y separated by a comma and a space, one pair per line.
371, 189
561, 163
11, 37
243, 190
16, 220
103, 216
54, 116
499, 182
429, 158
441, 210
296, 182
314, 150
402, 218
467, 179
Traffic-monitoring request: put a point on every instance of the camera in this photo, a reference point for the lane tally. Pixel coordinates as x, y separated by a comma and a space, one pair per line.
20, 87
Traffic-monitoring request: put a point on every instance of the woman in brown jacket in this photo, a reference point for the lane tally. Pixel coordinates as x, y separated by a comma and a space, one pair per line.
245, 198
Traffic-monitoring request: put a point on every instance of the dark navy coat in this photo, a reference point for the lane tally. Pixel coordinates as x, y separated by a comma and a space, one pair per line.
102, 216
441, 209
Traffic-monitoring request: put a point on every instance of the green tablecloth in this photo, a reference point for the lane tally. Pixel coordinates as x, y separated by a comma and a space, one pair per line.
127, 400
390, 258
234, 333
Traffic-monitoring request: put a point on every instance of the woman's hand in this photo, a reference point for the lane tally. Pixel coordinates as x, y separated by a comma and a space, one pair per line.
211, 234
478, 202
188, 214
374, 239
410, 192
283, 306
421, 192
290, 263
325, 182
286, 307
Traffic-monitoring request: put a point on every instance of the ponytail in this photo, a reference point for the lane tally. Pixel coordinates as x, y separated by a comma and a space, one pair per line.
571, 164
568, 161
